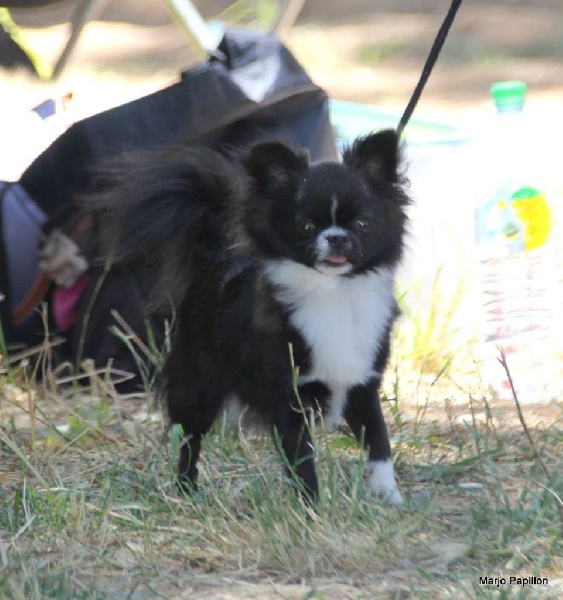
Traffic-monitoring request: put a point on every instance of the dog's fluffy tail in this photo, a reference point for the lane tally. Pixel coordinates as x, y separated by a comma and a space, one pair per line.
157, 210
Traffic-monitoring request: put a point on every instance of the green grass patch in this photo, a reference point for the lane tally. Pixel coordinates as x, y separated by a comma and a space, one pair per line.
89, 507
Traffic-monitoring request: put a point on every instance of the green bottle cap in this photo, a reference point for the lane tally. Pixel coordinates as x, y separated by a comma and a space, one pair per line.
509, 95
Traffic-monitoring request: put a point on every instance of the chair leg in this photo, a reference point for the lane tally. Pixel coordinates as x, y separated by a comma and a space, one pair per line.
88, 10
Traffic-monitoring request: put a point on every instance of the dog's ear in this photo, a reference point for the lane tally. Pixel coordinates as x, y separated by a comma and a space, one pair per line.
274, 164
377, 155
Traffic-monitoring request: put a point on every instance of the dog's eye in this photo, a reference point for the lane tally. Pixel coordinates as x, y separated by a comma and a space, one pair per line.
361, 223
307, 226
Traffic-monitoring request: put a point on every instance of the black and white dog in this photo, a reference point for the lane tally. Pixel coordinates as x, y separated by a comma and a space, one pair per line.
274, 264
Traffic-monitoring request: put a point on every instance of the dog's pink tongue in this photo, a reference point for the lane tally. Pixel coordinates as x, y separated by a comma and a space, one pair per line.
336, 260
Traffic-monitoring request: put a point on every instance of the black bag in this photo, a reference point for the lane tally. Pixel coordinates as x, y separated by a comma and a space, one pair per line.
251, 89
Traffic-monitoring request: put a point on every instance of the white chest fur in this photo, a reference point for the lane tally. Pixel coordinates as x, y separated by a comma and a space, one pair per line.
342, 319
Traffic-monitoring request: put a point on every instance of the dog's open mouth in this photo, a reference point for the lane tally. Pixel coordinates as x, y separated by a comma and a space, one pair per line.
336, 261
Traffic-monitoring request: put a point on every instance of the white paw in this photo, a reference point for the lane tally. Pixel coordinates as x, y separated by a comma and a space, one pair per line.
382, 481
393, 498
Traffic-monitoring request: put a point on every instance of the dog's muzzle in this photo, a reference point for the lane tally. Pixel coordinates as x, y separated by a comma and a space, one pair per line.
334, 245
333, 249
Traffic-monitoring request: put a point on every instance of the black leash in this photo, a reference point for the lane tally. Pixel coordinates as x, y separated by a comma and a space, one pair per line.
429, 65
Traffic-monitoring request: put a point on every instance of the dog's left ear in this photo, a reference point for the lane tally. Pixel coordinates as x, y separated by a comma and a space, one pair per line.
377, 155
274, 164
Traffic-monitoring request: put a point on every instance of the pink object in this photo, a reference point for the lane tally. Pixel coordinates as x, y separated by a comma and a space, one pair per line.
64, 301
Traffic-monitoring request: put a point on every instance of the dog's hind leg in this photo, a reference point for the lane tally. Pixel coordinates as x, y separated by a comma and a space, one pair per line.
196, 422
364, 416
293, 440
187, 462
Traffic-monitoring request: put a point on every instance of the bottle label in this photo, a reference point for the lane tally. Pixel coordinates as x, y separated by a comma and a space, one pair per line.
515, 278
526, 220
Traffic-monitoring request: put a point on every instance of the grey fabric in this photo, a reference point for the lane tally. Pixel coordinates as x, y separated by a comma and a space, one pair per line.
21, 226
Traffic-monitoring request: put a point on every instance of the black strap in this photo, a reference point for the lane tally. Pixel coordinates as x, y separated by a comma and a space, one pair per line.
429, 65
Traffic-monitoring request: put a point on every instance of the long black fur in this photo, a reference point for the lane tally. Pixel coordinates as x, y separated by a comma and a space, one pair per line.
218, 232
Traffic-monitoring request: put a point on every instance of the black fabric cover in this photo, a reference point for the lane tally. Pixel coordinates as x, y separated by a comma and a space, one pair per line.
253, 88
116, 292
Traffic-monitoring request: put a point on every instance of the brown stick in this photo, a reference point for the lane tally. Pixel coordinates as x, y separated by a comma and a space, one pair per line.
32, 299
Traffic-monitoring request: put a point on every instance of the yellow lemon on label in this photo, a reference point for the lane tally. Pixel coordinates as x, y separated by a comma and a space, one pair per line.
533, 211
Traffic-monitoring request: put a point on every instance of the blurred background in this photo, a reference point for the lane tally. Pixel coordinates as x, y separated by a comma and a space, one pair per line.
364, 51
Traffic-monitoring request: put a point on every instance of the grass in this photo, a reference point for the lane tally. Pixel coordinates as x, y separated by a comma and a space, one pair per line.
89, 508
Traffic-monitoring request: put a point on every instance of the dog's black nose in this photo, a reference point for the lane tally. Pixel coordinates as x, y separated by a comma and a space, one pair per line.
338, 242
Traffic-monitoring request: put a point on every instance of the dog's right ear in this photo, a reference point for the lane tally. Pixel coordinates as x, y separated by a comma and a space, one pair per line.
273, 164
377, 156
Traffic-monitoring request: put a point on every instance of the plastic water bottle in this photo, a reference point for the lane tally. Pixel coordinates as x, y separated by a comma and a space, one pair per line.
516, 262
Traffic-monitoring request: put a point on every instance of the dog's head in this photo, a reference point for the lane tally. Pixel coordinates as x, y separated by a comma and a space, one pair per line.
337, 218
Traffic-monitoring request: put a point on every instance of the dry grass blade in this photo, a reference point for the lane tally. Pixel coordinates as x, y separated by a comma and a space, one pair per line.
503, 361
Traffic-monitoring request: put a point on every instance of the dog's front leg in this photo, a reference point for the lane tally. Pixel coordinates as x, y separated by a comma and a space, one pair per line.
293, 440
364, 416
